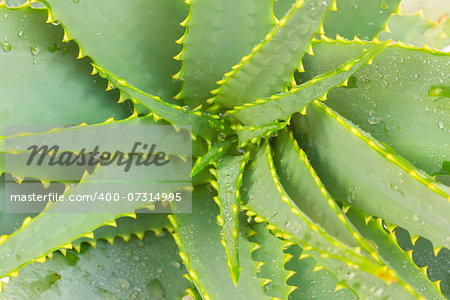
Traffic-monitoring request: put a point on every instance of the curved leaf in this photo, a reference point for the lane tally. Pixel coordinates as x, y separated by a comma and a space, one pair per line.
139, 269
360, 18
393, 255
401, 99
32, 76
198, 237
356, 169
220, 32
283, 216
270, 66
140, 36
283, 106
417, 31
268, 251
229, 179
37, 237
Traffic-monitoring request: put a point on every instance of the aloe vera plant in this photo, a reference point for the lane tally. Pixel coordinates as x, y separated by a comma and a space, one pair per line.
320, 148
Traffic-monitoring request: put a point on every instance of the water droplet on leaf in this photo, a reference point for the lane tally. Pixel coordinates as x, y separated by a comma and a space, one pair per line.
35, 49
156, 289
6, 46
373, 119
383, 5
123, 284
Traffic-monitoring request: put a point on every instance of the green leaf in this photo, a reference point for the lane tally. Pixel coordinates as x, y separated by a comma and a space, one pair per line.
269, 253
432, 260
262, 182
81, 134
282, 106
198, 237
220, 32
270, 66
360, 18
37, 237
305, 189
202, 124
214, 153
14, 149
312, 280
358, 170
415, 30
401, 99
229, 179
252, 134
139, 36
126, 227
139, 269
393, 255
9, 222
432, 10
32, 76
350, 268
281, 7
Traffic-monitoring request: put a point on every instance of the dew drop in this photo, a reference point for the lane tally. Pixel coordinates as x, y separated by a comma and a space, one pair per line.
123, 284
350, 276
378, 292
441, 125
373, 119
56, 23
6, 46
76, 1
177, 265
20, 33
385, 226
35, 49
383, 5
366, 83
415, 76
351, 197
384, 83
156, 289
